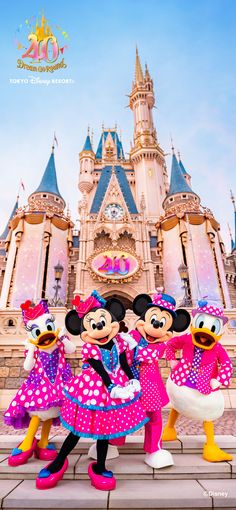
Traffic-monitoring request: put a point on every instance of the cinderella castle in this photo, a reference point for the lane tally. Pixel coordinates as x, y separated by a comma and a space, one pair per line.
139, 230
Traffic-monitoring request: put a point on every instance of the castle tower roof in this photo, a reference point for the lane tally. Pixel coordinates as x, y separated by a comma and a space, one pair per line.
178, 183
4, 234
116, 140
49, 179
88, 145
182, 167
103, 185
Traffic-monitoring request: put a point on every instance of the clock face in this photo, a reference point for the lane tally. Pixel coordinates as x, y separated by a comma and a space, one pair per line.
114, 212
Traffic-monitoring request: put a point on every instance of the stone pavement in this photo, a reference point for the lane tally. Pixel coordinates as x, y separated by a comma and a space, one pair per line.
190, 483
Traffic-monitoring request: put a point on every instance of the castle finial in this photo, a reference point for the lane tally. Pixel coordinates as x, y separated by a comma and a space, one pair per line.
172, 144
88, 130
53, 142
179, 155
138, 69
147, 74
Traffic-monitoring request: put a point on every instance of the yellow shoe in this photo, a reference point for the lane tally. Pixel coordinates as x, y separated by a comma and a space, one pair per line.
169, 434
213, 453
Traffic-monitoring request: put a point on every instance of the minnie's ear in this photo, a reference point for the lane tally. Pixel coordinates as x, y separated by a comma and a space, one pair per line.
181, 321
116, 308
73, 323
140, 303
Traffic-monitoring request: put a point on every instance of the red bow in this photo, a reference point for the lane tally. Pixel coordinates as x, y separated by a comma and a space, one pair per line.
83, 307
25, 305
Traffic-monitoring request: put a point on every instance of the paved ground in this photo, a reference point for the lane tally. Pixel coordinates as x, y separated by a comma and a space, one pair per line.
225, 425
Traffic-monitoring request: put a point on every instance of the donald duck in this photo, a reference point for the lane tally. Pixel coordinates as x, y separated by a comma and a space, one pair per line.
194, 384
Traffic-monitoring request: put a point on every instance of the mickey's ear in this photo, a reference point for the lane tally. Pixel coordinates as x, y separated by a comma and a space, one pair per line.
73, 322
116, 308
181, 321
140, 303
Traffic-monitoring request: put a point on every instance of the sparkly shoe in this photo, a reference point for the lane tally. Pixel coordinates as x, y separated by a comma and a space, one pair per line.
46, 480
18, 457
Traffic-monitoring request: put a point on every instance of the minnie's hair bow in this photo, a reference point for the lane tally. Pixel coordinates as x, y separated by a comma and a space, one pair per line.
93, 301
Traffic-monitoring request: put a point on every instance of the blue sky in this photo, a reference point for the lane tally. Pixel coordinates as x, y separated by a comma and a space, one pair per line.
189, 46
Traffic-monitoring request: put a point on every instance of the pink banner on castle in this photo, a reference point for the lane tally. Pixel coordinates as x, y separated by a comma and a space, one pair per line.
201, 265
172, 258
57, 253
27, 264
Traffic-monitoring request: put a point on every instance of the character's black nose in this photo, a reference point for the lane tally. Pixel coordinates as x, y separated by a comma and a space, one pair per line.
156, 324
99, 325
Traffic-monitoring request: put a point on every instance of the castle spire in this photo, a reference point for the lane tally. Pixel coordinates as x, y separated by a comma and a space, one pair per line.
233, 240
178, 183
49, 180
88, 145
186, 175
138, 69
4, 234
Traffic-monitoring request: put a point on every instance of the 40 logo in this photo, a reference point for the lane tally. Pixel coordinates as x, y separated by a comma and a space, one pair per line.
43, 46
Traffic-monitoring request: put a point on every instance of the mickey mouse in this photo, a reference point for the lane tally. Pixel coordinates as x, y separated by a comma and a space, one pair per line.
157, 321
103, 401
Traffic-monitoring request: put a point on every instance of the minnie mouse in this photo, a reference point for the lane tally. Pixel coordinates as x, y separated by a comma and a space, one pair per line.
103, 401
157, 321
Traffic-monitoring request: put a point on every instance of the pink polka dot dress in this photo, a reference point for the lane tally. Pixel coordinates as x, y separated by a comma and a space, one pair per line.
42, 390
89, 410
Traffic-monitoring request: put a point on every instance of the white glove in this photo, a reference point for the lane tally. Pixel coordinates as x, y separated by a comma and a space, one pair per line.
29, 360
62, 332
214, 384
133, 385
120, 392
129, 340
173, 363
70, 347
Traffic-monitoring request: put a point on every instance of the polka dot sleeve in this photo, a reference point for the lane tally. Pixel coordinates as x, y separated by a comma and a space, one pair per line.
91, 351
175, 344
226, 367
148, 355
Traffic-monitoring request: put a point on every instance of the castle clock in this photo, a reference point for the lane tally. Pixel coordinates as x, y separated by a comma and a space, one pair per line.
114, 212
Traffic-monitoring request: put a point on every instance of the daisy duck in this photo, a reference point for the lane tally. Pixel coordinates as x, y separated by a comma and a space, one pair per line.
194, 384
40, 396
103, 402
158, 318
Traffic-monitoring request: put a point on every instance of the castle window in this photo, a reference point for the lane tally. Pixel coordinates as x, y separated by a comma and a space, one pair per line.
171, 199
57, 199
183, 196
44, 196
10, 323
